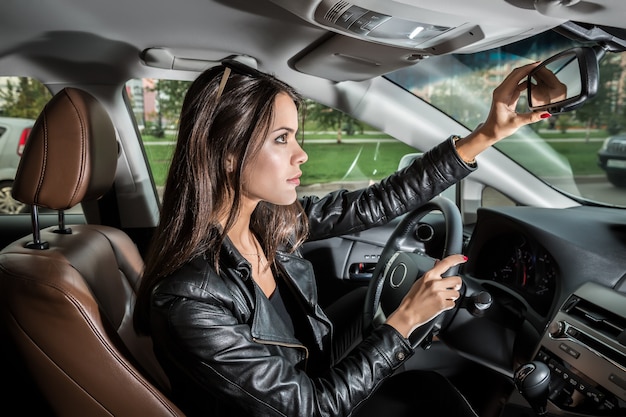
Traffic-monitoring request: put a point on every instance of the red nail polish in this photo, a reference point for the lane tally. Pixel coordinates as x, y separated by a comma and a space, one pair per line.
545, 115
464, 258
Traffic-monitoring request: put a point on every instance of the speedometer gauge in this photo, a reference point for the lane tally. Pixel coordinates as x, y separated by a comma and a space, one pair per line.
545, 277
518, 270
523, 265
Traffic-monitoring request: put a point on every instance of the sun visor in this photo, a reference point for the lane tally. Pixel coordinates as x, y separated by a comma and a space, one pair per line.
343, 58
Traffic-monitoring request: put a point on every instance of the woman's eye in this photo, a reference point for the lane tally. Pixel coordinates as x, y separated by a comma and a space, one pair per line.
282, 138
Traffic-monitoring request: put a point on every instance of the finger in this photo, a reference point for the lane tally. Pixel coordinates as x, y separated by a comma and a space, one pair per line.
508, 91
452, 283
522, 87
446, 263
448, 299
532, 117
518, 74
451, 295
547, 77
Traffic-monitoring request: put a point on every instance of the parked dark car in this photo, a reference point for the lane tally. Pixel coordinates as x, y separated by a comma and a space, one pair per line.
612, 159
13, 135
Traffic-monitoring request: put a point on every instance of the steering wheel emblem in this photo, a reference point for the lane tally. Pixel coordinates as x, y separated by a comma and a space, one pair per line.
398, 275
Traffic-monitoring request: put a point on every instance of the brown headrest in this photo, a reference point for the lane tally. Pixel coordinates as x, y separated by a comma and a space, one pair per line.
70, 155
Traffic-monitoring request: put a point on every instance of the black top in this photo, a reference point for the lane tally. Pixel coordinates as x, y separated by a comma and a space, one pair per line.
279, 304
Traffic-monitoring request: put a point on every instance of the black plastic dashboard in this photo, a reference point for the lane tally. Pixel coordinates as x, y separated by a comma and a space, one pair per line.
543, 255
565, 271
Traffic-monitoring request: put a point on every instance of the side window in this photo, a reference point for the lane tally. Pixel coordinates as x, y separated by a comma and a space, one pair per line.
21, 101
156, 105
343, 152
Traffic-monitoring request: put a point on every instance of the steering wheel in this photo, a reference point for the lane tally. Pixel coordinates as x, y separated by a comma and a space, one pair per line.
399, 267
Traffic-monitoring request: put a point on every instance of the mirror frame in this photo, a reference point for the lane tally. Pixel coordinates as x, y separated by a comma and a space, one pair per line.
587, 59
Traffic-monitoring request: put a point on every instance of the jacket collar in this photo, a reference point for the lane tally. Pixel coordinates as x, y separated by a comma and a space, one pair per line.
298, 274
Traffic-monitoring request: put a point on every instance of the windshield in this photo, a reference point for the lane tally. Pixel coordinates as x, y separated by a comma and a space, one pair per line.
582, 153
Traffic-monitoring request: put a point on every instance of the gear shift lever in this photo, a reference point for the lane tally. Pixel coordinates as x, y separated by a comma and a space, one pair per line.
533, 380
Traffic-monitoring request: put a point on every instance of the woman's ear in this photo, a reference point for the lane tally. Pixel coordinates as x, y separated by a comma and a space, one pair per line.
230, 164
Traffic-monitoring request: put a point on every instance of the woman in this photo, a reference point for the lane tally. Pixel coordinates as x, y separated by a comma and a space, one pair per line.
228, 301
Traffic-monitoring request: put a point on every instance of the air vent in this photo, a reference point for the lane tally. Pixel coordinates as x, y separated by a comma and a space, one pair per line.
334, 12
597, 318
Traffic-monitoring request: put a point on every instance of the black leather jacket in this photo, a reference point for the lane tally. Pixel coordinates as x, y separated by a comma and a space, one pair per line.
227, 352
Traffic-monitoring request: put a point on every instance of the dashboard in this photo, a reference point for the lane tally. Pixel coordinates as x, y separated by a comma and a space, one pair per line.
542, 255
533, 258
557, 280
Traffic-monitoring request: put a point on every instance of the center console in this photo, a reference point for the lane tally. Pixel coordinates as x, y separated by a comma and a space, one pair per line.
584, 348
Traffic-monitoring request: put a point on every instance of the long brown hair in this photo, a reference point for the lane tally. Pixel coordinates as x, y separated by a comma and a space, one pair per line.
215, 128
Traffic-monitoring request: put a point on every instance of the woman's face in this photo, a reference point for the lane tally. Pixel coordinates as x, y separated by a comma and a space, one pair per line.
274, 173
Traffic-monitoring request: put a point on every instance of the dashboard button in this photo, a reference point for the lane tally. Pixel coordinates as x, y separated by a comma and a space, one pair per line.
565, 348
617, 381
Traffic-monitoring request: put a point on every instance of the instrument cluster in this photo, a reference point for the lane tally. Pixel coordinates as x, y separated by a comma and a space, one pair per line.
522, 264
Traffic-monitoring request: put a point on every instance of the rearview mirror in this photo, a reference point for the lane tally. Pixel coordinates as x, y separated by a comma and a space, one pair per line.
564, 81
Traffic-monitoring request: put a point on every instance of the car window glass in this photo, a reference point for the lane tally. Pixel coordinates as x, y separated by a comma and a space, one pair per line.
582, 153
343, 152
21, 101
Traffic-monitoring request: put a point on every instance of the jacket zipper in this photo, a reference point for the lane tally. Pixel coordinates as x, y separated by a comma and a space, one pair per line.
289, 345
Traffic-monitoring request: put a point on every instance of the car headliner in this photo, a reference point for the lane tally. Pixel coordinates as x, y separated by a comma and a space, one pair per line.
104, 40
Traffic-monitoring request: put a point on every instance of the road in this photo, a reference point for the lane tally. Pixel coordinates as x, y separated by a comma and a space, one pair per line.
597, 188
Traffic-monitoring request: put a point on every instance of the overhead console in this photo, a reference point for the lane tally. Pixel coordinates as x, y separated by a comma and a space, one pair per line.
372, 38
584, 349
383, 28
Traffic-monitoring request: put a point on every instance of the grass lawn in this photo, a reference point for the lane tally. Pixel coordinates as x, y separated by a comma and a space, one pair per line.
350, 161
377, 159
159, 157
581, 156
537, 156
373, 160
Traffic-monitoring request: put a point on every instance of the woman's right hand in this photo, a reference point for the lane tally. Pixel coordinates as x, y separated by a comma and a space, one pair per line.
429, 296
502, 120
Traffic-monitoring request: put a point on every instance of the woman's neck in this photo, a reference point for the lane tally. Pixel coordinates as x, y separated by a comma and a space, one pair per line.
244, 240
250, 248
240, 233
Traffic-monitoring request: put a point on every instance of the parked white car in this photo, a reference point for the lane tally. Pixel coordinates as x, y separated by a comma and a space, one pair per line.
13, 135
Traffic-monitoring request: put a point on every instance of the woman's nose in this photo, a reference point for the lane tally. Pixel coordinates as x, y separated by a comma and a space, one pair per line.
301, 157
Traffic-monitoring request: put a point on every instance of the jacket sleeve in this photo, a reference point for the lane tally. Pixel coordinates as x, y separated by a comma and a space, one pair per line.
342, 212
221, 357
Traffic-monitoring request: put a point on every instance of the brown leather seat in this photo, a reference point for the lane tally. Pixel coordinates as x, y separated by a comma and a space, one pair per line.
67, 293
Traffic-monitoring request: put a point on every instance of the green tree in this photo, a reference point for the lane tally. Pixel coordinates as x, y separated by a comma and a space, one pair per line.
328, 118
564, 122
170, 96
465, 97
594, 113
24, 98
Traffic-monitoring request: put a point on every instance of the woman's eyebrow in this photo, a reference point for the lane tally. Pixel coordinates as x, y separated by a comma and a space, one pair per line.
288, 129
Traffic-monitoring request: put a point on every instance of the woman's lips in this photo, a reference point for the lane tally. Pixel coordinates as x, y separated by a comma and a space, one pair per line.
295, 180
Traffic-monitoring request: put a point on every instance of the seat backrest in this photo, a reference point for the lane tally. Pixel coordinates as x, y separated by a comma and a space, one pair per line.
67, 293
